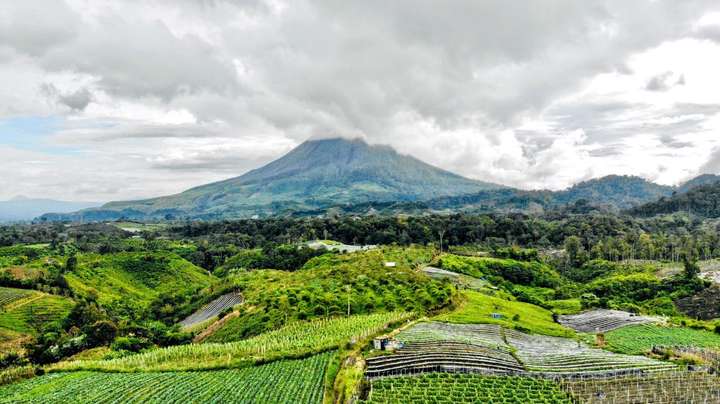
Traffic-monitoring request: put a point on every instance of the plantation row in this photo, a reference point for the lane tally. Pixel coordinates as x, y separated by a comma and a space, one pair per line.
546, 354
9, 295
458, 387
642, 338
659, 388
486, 335
601, 320
212, 309
286, 381
296, 339
426, 357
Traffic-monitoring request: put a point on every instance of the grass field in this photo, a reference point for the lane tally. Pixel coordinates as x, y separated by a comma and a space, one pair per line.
478, 309
641, 338
286, 381
295, 340
468, 388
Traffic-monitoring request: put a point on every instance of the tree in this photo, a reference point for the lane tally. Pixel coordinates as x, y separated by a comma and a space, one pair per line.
691, 267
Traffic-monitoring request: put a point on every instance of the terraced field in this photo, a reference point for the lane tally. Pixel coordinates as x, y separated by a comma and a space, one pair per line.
659, 388
10, 295
601, 320
212, 309
469, 388
564, 356
287, 381
29, 312
484, 335
296, 339
642, 338
423, 357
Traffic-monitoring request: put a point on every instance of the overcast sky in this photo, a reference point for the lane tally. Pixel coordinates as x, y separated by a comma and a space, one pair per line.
111, 100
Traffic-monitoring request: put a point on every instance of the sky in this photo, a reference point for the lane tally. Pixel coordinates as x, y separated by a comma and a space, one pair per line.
115, 100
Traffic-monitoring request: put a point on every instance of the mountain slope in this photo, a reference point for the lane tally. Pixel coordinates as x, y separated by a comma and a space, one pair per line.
315, 174
614, 190
703, 200
704, 179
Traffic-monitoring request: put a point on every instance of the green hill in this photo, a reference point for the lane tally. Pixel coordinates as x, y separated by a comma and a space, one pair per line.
135, 277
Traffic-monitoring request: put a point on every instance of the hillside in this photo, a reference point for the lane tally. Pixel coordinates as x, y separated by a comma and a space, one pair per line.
317, 173
135, 278
703, 201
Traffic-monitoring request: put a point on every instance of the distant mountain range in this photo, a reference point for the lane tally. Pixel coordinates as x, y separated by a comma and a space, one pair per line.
354, 177
21, 209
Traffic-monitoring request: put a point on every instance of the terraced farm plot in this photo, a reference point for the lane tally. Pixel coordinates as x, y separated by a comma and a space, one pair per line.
659, 388
641, 338
562, 356
296, 339
30, 313
484, 335
287, 381
10, 295
469, 388
212, 309
601, 320
423, 357
479, 308
461, 280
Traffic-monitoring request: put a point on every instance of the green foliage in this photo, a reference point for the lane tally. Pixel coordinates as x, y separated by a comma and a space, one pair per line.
565, 306
285, 381
35, 312
634, 287
324, 286
478, 309
298, 339
516, 253
458, 388
518, 272
277, 256
640, 339
135, 278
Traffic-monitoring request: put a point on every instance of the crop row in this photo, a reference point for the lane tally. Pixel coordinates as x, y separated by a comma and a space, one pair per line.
457, 387
486, 335
212, 309
642, 338
664, 387
601, 320
294, 340
547, 354
287, 381
9, 295
443, 356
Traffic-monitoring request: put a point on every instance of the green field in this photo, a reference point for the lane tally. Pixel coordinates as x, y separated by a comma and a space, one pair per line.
135, 277
640, 339
10, 295
468, 388
478, 308
27, 311
286, 381
295, 340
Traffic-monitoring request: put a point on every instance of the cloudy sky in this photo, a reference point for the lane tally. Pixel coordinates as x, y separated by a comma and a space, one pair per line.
107, 100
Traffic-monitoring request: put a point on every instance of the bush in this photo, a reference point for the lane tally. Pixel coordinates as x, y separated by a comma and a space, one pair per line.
132, 344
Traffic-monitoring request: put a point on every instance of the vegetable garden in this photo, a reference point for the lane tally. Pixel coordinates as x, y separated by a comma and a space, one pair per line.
10, 295
212, 309
602, 320
642, 338
458, 387
294, 340
286, 381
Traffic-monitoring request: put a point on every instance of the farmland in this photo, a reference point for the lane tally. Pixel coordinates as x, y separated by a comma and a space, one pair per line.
285, 381
458, 388
640, 339
295, 340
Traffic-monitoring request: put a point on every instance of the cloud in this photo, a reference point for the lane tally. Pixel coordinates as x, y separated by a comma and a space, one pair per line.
532, 94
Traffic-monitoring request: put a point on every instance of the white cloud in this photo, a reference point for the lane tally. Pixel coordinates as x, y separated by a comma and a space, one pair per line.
156, 96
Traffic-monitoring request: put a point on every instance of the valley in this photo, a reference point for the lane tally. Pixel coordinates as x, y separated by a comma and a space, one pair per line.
261, 311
